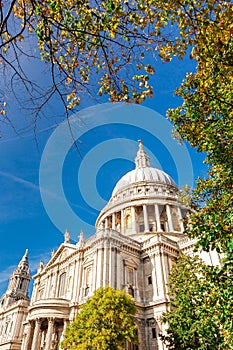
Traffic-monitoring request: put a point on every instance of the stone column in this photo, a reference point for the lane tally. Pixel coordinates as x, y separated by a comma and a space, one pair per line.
36, 335
113, 221
133, 218
157, 217
95, 270
106, 223
34, 292
49, 334
154, 278
122, 222
75, 282
28, 339
117, 268
145, 215
42, 340
180, 219
48, 286
99, 276
159, 274
56, 290
136, 290
105, 267
16, 331
80, 277
165, 269
68, 286
111, 269
161, 329
65, 323
77, 277
169, 218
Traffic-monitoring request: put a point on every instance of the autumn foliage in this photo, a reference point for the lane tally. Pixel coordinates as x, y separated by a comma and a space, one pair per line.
102, 47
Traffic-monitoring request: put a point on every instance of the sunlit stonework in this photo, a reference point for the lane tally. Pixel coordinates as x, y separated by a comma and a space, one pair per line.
138, 237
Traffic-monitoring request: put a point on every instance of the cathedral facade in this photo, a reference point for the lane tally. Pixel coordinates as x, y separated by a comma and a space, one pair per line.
139, 235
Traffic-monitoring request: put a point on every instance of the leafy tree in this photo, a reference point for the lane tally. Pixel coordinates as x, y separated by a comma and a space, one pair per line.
105, 322
201, 316
205, 120
103, 43
201, 307
185, 195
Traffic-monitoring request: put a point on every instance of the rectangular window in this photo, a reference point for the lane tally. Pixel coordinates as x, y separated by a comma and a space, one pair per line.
141, 228
149, 280
153, 333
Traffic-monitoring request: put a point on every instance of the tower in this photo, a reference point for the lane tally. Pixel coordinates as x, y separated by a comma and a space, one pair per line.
14, 306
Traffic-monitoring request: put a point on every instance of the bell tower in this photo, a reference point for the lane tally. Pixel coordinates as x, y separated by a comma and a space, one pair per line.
14, 306
19, 283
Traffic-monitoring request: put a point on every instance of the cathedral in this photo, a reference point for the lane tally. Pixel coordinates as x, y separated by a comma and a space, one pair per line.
139, 235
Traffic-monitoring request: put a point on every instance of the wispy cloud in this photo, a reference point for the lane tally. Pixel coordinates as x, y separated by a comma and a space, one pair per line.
5, 274
19, 180
33, 186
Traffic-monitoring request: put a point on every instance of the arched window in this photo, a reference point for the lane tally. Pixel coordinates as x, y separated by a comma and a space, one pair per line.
87, 290
131, 291
62, 284
21, 283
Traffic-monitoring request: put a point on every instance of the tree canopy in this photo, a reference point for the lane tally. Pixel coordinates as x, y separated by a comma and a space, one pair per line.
105, 322
202, 296
99, 46
201, 307
205, 120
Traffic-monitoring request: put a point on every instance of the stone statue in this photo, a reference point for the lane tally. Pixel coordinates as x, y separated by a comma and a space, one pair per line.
67, 236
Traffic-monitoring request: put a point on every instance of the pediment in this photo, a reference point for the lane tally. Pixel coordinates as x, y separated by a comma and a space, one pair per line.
61, 254
88, 259
131, 262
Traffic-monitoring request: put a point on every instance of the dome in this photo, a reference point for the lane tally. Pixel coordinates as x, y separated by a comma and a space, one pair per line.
143, 173
147, 174
144, 201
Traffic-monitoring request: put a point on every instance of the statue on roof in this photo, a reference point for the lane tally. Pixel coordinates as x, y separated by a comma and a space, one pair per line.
67, 236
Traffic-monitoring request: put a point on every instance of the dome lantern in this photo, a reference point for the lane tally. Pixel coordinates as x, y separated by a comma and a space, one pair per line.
142, 160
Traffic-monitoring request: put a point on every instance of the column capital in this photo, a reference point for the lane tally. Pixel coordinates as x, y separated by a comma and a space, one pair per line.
37, 320
51, 319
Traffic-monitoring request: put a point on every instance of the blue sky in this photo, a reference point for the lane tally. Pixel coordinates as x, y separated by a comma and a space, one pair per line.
106, 152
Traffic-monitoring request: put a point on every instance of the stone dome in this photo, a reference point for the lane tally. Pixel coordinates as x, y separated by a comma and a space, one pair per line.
140, 175
144, 201
143, 173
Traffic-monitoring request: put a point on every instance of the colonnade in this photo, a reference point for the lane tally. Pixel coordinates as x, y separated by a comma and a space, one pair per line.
150, 221
44, 333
